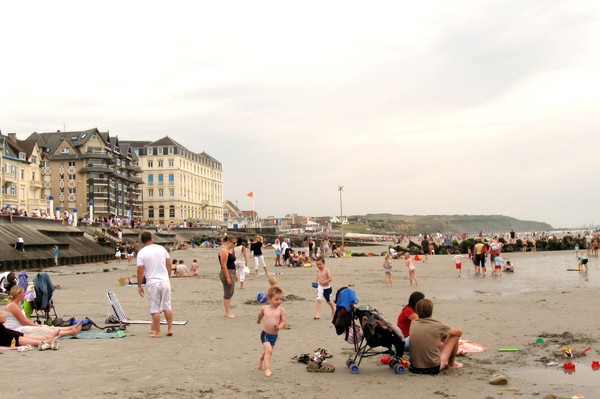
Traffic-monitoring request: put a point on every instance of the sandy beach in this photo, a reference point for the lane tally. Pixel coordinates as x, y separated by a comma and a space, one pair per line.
214, 357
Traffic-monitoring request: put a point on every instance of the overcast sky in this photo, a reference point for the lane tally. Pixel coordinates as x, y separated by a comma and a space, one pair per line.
461, 107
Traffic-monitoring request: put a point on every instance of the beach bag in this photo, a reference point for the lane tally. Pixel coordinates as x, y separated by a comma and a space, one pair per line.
355, 334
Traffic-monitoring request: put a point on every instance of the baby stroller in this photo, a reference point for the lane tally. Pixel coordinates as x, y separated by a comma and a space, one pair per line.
369, 332
43, 303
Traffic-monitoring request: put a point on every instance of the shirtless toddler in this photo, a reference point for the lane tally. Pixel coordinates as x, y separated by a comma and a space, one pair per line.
274, 319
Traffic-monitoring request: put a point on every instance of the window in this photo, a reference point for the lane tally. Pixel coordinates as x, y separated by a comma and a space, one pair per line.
13, 190
171, 193
22, 156
13, 170
150, 164
150, 179
150, 193
171, 178
160, 179
161, 192
150, 212
71, 163
93, 137
170, 150
46, 164
171, 163
22, 174
72, 190
34, 160
33, 176
171, 211
71, 177
64, 150
160, 153
160, 163
161, 211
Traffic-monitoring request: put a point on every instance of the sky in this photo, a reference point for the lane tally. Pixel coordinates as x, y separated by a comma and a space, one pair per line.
462, 107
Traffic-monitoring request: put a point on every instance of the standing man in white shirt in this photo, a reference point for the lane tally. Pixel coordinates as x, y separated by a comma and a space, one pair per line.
154, 264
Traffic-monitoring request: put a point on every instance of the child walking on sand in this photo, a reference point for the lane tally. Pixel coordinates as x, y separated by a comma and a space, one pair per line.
274, 319
324, 289
458, 263
412, 271
387, 269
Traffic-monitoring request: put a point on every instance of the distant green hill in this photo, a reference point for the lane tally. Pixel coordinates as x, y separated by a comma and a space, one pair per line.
456, 224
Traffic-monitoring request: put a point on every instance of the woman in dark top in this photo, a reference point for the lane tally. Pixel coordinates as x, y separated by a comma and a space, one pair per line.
227, 274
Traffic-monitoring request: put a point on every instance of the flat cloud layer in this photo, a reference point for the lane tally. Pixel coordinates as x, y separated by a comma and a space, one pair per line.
443, 108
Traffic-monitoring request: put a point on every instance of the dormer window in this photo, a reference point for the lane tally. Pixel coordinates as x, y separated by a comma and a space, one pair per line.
22, 156
94, 137
64, 150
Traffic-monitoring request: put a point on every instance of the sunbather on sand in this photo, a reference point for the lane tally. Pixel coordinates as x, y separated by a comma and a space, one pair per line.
20, 339
17, 321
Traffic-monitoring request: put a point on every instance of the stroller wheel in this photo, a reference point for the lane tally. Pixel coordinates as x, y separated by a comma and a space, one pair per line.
349, 362
354, 368
399, 369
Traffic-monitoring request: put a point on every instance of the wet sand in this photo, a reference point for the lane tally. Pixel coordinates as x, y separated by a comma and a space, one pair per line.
214, 357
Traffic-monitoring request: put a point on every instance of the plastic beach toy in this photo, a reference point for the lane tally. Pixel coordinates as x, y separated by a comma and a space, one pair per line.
540, 340
314, 284
569, 366
385, 359
510, 350
262, 297
595, 365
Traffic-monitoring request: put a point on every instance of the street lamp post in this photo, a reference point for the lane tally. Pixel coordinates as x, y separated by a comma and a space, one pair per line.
341, 189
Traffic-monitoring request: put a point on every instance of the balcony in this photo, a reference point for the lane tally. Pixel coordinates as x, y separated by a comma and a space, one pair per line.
91, 168
96, 155
99, 196
97, 181
133, 168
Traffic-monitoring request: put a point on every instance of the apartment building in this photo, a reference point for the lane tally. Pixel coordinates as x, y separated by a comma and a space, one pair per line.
181, 186
90, 171
21, 174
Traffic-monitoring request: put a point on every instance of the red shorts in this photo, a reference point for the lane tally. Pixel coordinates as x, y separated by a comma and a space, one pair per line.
459, 266
497, 267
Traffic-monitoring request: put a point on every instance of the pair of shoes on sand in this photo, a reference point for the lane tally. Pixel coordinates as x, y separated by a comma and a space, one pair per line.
319, 367
43, 345
24, 348
324, 353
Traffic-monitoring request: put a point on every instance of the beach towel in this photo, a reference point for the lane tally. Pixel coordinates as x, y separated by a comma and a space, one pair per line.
346, 298
96, 335
466, 346
120, 313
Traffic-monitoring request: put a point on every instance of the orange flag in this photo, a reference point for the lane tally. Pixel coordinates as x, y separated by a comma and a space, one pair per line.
250, 194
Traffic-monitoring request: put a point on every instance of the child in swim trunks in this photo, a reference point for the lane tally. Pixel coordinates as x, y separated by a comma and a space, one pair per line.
274, 319
458, 263
324, 289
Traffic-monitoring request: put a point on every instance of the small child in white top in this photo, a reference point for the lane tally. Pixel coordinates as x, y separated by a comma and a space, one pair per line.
458, 263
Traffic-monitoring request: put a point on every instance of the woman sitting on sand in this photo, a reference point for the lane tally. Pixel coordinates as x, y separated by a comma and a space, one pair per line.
407, 315
16, 320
